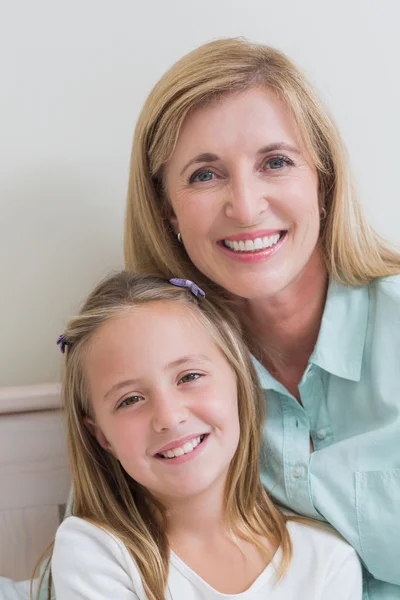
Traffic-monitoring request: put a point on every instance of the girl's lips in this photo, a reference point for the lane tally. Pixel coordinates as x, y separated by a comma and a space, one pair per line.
255, 255
179, 460
179, 442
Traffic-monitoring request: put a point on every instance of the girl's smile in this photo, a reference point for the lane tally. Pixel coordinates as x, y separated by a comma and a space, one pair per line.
164, 398
181, 452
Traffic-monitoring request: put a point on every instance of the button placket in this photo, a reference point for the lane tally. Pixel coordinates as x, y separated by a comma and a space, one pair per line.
321, 433
314, 400
296, 456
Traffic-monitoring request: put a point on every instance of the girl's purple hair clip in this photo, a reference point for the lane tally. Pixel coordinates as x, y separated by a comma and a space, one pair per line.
186, 283
62, 342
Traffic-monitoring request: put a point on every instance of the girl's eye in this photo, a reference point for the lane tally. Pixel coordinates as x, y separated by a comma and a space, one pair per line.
130, 401
278, 162
201, 176
190, 377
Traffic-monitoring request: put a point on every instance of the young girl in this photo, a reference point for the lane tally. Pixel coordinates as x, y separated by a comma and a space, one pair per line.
164, 420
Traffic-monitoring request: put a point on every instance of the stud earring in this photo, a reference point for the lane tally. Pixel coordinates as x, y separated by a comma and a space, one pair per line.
178, 235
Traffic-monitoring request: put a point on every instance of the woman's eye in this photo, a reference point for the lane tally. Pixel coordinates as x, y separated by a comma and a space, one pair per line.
278, 162
190, 377
129, 401
201, 176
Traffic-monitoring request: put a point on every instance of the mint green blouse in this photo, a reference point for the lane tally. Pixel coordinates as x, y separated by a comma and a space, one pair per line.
350, 394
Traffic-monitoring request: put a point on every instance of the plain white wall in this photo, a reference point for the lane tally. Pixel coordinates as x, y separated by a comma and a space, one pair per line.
74, 74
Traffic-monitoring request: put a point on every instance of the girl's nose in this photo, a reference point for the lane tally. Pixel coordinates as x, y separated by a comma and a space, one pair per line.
168, 412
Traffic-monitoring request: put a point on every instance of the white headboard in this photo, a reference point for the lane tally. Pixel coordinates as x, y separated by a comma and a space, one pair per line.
34, 475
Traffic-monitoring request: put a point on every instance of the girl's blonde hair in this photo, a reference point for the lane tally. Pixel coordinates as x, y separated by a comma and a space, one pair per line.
353, 252
105, 494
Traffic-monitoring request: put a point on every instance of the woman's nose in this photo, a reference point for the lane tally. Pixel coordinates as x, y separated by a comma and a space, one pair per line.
245, 202
169, 411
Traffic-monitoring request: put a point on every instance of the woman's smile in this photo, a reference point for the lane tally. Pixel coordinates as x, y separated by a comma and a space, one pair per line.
254, 247
254, 199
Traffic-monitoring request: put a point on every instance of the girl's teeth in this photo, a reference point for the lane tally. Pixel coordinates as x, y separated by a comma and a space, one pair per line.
185, 449
253, 245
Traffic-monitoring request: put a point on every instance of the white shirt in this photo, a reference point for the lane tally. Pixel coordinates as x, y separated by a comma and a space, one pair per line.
91, 564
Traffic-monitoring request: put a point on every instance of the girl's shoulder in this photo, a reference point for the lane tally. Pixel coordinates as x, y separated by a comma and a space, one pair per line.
85, 551
323, 565
74, 529
319, 543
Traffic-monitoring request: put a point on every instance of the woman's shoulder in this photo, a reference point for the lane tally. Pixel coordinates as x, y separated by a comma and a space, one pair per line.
386, 290
384, 301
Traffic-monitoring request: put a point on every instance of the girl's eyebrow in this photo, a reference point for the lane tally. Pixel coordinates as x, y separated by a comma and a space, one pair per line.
188, 358
208, 157
172, 365
118, 386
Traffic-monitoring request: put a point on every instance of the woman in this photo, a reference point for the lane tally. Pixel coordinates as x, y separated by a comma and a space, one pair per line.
239, 179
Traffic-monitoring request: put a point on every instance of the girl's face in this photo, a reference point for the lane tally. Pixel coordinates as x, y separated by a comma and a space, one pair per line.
244, 194
164, 399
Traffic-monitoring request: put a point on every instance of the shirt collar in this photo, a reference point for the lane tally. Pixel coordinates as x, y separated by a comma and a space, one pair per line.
267, 381
340, 344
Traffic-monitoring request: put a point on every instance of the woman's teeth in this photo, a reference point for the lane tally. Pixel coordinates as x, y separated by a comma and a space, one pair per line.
253, 245
185, 449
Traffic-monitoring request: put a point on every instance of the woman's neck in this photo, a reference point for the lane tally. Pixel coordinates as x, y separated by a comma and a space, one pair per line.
286, 327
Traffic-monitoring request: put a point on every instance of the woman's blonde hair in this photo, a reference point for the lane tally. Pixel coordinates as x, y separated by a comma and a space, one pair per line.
105, 494
353, 252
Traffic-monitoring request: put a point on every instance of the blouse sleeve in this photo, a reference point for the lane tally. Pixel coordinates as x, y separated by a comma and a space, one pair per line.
90, 564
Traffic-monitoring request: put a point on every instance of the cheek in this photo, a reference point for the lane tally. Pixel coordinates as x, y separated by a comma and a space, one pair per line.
304, 189
196, 211
299, 203
221, 410
126, 438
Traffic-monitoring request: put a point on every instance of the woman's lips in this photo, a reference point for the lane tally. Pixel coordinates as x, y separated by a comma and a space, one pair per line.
255, 255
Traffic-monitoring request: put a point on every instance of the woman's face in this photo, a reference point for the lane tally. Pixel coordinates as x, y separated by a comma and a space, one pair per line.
244, 194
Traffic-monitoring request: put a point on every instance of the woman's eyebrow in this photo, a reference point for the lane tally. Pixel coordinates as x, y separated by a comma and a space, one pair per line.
208, 157
278, 146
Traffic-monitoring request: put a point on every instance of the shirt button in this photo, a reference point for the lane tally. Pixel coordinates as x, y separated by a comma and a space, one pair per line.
321, 434
297, 472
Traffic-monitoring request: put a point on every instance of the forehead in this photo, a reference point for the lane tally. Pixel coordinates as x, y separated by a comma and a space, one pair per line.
257, 114
154, 333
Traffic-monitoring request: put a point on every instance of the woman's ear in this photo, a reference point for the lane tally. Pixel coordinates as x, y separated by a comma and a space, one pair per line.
97, 433
174, 223
169, 215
